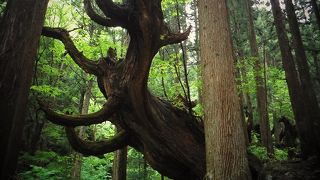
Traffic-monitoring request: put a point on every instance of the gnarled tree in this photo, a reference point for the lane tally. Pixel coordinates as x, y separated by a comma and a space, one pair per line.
171, 139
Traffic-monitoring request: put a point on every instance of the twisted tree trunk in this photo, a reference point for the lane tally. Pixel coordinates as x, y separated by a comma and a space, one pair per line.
167, 136
171, 139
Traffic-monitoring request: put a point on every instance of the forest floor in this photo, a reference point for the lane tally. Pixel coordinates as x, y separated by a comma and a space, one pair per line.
292, 170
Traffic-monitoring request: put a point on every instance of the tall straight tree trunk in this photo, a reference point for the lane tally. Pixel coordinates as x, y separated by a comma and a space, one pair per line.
295, 92
242, 112
119, 168
260, 84
76, 170
316, 11
224, 136
247, 105
20, 30
304, 72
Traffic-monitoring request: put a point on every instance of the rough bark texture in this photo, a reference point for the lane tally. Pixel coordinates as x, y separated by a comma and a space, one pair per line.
20, 30
171, 140
260, 84
295, 91
310, 98
225, 141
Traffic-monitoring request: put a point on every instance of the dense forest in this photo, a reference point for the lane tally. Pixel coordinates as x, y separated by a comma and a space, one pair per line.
160, 89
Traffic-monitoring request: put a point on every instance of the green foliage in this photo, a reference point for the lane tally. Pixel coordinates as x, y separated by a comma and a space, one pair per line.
259, 151
281, 154
45, 165
60, 81
137, 169
97, 168
46, 90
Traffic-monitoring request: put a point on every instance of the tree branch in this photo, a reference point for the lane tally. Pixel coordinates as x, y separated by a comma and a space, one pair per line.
172, 38
113, 11
82, 120
96, 148
83, 62
97, 18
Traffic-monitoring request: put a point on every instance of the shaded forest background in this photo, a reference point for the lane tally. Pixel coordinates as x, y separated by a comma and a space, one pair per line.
175, 76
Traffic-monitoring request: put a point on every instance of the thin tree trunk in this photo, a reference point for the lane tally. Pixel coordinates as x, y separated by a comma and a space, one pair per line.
241, 102
247, 105
295, 92
184, 62
225, 141
260, 85
20, 30
310, 98
145, 172
316, 11
162, 177
119, 167
316, 64
76, 170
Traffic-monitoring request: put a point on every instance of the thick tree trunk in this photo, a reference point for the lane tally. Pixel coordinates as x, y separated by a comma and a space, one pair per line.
295, 91
260, 84
225, 141
20, 30
310, 98
171, 139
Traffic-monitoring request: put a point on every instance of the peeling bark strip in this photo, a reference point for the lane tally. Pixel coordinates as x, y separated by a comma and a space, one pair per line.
20, 30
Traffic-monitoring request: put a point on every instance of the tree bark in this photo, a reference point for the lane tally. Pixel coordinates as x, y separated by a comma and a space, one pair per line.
119, 168
171, 139
20, 30
316, 11
311, 103
225, 141
316, 64
295, 91
85, 104
260, 84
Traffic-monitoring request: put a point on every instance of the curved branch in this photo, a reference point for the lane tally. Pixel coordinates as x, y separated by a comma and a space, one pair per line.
82, 120
172, 38
96, 148
96, 17
115, 12
83, 62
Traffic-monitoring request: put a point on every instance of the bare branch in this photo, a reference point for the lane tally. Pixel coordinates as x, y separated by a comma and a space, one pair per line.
83, 62
96, 148
82, 120
97, 18
115, 12
172, 38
